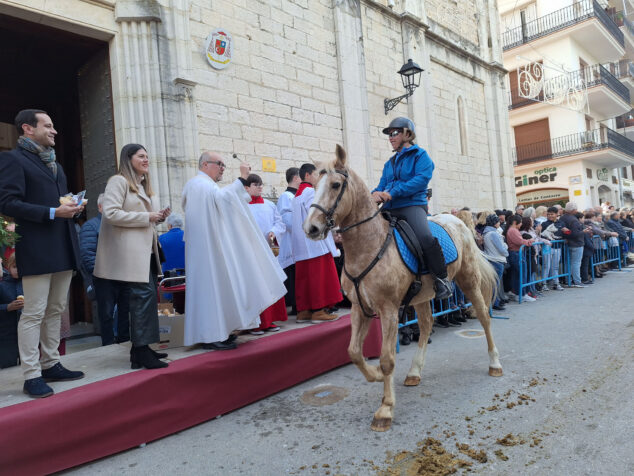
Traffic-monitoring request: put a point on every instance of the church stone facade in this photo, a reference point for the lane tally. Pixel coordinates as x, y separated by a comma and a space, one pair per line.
304, 76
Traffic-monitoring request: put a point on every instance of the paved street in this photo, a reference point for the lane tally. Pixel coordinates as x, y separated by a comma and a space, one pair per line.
565, 405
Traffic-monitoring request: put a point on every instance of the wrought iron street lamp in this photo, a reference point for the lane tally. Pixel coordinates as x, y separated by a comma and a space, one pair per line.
410, 75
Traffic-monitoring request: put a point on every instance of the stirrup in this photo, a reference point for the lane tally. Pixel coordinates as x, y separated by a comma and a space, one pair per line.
443, 288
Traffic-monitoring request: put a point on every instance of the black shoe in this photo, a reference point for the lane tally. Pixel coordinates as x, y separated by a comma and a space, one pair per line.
598, 275
406, 339
136, 364
453, 321
443, 288
587, 281
58, 373
37, 388
230, 339
333, 309
220, 346
441, 321
143, 356
499, 308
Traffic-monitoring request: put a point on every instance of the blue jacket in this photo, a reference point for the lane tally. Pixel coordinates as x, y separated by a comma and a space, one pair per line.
173, 248
615, 226
406, 176
88, 238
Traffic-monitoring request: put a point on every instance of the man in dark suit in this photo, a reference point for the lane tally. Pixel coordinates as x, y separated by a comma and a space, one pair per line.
31, 184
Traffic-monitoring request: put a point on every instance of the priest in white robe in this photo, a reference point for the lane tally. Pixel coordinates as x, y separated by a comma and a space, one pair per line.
317, 287
232, 275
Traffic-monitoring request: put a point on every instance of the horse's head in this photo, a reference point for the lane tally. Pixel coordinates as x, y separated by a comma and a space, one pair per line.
333, 199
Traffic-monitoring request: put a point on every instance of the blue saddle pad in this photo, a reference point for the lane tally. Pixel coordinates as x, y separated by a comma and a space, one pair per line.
447, 244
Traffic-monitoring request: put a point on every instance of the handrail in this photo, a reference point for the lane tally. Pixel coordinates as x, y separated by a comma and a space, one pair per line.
558, 20
576, 143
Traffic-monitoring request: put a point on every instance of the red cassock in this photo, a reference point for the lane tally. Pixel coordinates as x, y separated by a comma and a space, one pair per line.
276, 312
316, 283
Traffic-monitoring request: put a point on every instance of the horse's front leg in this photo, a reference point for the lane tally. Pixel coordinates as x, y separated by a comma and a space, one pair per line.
425, 322
360, 325
389, 325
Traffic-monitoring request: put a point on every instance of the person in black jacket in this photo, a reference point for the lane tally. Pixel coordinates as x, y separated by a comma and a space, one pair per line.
10, 309
31, 184
573, 232
108, 292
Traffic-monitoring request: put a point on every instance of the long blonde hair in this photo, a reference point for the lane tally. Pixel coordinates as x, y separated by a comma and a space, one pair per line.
467, 219
127, 171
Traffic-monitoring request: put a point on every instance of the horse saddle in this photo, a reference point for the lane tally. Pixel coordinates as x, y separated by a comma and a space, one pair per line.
412, 253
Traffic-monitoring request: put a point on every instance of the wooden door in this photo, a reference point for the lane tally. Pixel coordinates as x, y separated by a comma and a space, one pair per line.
532, 141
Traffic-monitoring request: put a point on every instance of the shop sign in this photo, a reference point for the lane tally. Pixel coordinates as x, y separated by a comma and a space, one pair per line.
548, 195
603, 174
219, 48
545, 175
575, 179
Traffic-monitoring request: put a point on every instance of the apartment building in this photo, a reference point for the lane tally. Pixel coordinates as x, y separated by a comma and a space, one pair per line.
571, 80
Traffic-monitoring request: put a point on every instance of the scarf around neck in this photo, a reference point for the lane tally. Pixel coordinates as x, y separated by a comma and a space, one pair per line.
255, 200
303, 186
46, 154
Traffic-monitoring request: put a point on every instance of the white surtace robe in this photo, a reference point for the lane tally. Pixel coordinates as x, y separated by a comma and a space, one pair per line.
232, 274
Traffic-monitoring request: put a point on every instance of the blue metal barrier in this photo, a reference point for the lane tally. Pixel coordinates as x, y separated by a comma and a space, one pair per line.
551, 263
440, 307
604, 253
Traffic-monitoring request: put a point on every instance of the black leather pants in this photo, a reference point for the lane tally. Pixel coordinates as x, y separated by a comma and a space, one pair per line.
416, 217
144, 328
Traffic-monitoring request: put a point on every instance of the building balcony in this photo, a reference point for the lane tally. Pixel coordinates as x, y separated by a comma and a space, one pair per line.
625, 124
607, 96
627, 27
586, 22
602, 146
624, 72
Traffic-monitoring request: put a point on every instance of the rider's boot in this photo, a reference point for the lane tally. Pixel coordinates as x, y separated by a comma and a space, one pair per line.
435, 260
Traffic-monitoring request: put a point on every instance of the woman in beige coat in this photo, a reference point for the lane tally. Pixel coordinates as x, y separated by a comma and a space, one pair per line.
127, 249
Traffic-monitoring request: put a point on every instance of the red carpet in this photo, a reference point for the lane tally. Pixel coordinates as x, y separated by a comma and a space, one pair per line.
103, 418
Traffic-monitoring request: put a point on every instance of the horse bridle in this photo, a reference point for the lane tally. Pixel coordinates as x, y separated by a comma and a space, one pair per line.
330, 224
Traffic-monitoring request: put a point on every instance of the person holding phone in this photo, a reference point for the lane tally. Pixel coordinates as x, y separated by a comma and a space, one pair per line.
127, 250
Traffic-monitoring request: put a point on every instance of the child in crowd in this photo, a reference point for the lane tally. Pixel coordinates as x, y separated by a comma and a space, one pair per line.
11, 304
273, 228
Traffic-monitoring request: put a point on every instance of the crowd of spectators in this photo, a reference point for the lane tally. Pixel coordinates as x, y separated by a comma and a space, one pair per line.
536, 238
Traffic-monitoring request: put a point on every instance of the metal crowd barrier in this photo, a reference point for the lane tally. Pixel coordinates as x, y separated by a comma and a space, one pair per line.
604, 253
551, 263
439, 307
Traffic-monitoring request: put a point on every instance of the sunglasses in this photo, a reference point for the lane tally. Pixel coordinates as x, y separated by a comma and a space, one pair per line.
394, 133
218, 163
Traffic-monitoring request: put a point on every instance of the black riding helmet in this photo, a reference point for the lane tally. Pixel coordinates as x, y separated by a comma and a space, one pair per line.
401, 123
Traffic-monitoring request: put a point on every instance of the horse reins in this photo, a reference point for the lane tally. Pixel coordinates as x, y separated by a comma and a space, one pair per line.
330, 224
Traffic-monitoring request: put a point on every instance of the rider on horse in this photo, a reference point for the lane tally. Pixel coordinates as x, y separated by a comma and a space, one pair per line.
403, 190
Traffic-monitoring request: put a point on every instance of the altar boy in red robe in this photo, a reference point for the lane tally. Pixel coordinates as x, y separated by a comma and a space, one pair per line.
273, 228
317, 286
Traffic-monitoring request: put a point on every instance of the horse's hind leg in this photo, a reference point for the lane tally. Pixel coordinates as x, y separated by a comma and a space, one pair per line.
389, 325
359, 330
425, 322
474, 294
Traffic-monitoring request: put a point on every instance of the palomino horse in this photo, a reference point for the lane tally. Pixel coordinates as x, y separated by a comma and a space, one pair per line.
343, 200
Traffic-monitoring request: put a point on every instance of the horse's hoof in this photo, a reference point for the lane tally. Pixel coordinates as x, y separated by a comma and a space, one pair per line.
381, 424
412, 381
495, 372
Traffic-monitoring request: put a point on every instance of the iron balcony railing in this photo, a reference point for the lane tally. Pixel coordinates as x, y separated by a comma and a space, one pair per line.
594, 75
598, 139
558, 20
620, 20
626, 120
621, 69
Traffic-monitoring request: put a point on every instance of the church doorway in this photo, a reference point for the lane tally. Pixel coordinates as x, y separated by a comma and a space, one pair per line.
67, 75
